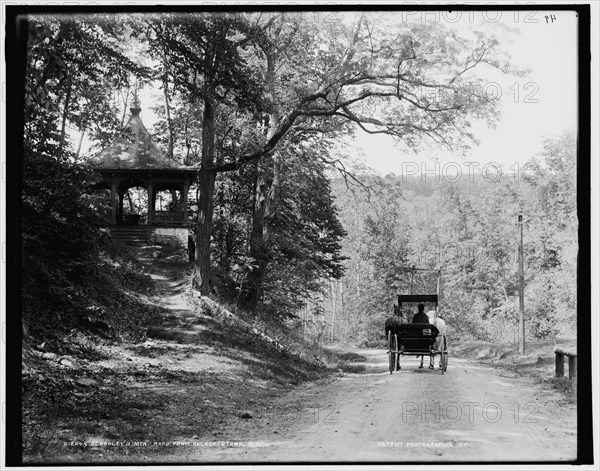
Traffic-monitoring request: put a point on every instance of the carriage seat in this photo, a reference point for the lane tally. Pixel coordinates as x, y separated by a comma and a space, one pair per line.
417, 337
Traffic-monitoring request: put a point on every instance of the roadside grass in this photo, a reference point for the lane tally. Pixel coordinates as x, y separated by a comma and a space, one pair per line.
538, 361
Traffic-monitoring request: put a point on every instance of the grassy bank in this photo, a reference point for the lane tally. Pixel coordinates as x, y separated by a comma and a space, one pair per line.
537, 361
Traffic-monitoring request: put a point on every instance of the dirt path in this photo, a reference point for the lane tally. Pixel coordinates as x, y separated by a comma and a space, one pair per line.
472, 413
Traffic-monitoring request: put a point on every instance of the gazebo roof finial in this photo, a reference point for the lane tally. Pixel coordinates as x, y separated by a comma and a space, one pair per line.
135, 106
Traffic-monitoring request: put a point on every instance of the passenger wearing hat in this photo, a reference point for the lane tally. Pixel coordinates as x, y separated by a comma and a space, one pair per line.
420, 317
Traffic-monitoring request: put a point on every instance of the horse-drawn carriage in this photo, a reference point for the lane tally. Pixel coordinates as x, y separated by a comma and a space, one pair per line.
415, 339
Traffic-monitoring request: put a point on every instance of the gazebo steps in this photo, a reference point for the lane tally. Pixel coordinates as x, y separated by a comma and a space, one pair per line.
139, 236
132, 235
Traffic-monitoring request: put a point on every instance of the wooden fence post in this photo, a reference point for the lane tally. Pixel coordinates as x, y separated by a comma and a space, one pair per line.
560, 362
572, 367
560, 365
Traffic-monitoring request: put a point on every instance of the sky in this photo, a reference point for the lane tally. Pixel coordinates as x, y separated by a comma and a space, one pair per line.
541, 103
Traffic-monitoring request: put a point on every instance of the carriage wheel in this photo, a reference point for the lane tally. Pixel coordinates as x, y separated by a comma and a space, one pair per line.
397, 355
392, 349
443, 355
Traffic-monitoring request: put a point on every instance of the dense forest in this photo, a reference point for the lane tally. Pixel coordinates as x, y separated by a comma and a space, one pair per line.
469, 229
284, 228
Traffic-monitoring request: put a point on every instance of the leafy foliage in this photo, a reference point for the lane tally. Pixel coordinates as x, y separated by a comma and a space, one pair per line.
68, 280
468, 229
73, 65
70, 65
304, 247
284, 75
261, 104
307, 233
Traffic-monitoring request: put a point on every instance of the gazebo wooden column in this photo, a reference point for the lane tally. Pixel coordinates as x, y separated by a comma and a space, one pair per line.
184, 202
120, 211
114, 202
151, 196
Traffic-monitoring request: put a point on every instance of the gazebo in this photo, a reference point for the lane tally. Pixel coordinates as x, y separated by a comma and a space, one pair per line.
134, 160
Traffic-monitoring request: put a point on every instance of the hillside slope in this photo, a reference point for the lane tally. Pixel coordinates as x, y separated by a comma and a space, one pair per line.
196, 368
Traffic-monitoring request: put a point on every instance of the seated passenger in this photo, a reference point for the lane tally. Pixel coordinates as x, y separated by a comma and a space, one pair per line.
420, 317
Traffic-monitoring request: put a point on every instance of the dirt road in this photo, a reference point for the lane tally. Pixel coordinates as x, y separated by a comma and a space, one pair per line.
472, 413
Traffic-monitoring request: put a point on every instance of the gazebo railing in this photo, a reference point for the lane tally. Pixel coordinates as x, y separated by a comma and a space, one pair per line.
168, 217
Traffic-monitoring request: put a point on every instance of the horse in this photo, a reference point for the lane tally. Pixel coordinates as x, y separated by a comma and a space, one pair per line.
441, 326
392, 324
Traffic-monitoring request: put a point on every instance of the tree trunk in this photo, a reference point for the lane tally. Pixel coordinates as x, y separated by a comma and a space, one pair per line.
207, 174
332, 288
188, 143
267, 197
130, 202
258, 243
168, 113
125, 102
64, 116
261, 234
341, 298
80, 142
206, 185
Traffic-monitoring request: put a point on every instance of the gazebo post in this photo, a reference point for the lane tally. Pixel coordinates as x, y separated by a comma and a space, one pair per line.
120, 212
150, 203
184, 202
113, 203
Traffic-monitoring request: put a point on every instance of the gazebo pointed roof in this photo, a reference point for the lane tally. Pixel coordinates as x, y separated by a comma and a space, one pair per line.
134, 149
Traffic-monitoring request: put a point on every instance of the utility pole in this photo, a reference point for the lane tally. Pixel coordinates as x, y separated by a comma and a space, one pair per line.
521, 292
341, 283
332, 287
439, 290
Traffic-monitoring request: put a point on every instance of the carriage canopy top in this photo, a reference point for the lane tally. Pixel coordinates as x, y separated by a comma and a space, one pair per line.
416, 298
